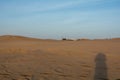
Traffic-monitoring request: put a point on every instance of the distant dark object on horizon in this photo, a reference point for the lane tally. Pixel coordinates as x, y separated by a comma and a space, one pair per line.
65, 39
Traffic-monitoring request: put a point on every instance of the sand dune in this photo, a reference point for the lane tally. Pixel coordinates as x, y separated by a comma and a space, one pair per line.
23, 58
11, 37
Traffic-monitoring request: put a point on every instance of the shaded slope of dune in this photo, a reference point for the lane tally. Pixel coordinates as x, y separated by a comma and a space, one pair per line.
13, 37
17, 37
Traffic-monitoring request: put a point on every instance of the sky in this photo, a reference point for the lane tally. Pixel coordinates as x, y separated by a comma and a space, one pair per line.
56, 19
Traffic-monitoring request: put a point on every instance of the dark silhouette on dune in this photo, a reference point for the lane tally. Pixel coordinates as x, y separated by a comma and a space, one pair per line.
101, 67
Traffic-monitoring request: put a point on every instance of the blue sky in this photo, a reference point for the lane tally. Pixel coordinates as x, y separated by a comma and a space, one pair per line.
55, 19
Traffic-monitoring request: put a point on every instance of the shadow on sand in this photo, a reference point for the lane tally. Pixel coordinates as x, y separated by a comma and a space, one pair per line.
101, 67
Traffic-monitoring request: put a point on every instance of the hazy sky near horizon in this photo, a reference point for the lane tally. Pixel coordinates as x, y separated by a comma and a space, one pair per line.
60, 18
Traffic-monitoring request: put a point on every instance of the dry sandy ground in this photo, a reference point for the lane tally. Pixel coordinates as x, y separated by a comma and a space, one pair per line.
29, 59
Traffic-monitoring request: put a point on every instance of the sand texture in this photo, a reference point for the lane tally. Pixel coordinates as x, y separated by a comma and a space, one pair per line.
32, 59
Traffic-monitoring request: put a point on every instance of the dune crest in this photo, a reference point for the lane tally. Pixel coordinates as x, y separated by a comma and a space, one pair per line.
16, 37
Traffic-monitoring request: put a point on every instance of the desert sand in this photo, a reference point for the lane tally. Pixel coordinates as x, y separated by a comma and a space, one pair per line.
24, 58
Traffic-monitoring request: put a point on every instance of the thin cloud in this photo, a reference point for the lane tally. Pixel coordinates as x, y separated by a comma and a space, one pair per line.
43, 6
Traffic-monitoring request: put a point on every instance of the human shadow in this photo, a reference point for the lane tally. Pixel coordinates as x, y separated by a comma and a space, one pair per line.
101, 67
